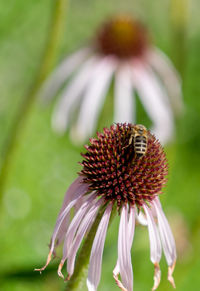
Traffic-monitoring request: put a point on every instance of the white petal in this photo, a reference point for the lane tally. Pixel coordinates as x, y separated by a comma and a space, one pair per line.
170, 77
154, 100
124, 101
90, 216
61, 73
94, 272
93, 100
124, 255
71, 96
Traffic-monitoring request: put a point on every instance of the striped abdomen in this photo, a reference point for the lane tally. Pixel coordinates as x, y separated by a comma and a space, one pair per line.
140, 145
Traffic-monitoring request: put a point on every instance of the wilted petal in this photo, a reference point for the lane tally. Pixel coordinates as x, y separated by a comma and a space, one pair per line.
124, 98
93, 100
71, 192
155, 245
75, 191
80, 202
97, 251
167, 239
74, 225
79, 190
63, 71
72, 95
90, 216
116, 272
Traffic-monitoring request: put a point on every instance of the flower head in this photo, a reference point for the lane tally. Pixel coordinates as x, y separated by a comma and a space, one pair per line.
114, 173
120, 49
122, 37
112, 168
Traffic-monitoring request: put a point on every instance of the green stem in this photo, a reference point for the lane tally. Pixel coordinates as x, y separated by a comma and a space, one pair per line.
179, 20
52, 44
78, 280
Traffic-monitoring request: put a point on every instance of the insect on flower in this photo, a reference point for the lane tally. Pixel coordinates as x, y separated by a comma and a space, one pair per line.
112, 175
121, 50
138, 139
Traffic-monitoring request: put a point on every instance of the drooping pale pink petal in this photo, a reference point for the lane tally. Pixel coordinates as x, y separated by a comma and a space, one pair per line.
155, 245
74, 225
154, 99
167, 239
79, 190
170, 77
80, 202
154, 238
124, 101
63, 71
93, 100
94, 272
131, 231
90, 216
131, 226
62, 230
71, 97
71, 193
124, 254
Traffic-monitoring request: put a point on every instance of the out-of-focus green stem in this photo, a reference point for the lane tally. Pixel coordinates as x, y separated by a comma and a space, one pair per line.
78, 280
59, 10
179, 20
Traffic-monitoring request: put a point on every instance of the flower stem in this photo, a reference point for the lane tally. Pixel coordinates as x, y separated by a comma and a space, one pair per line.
179, 20
78, 280
54, 37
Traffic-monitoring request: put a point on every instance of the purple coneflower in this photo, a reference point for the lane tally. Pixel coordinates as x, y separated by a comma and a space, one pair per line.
121, 49
114, 174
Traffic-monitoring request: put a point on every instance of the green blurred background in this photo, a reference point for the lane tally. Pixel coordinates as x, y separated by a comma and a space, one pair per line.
44, 165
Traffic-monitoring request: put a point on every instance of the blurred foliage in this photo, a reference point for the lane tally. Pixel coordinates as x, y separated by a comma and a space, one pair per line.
45, 165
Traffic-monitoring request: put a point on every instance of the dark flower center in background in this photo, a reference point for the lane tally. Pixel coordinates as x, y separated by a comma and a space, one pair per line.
122, 37
116, 173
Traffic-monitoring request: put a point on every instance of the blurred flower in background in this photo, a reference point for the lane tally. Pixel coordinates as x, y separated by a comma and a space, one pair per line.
182, 234
114, 175
121, 48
